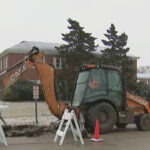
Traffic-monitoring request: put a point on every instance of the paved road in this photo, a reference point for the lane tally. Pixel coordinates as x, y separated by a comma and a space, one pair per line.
127, 139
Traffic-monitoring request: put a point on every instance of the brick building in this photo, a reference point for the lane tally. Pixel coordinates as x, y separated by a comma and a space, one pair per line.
16, 53
144, 77
12, 55
143, 74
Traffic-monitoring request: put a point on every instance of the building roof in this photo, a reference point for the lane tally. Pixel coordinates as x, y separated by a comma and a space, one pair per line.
48, 48
143, 75
26, 46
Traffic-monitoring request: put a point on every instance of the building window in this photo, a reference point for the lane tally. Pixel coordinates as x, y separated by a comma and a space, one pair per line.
5, 62
146, 82
1, 65
58, 62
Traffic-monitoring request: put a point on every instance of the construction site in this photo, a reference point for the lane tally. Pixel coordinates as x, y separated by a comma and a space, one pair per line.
74, 75
100, 105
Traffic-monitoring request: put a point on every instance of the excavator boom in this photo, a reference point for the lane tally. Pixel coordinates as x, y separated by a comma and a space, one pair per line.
46, 74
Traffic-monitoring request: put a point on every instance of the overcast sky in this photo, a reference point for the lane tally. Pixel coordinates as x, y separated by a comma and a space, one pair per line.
45, 20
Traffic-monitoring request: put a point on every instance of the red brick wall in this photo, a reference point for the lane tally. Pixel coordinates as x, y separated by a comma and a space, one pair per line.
13, 58
49, 59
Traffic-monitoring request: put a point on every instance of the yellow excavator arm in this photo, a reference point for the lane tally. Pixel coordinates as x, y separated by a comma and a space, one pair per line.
46, 74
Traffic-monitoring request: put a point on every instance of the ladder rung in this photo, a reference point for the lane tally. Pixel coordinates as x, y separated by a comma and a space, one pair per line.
66, 116
60, 133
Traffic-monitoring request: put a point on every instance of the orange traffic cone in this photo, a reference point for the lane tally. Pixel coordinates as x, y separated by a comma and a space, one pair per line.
97, 134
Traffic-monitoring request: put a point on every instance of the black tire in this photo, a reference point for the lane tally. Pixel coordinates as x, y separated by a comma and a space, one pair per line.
103, 112
121, 125
143, 122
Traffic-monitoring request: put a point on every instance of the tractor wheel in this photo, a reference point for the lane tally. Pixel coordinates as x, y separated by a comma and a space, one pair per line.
143, 122
103, 112
121, 125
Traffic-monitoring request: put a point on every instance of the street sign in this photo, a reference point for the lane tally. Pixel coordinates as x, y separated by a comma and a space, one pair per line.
35, 92
36, 97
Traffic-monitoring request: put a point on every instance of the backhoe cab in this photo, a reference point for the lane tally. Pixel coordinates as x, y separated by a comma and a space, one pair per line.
100, 93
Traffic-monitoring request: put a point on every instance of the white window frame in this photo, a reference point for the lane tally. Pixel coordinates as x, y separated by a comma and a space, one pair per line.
55, 63
1, 65
147, 81
5, 62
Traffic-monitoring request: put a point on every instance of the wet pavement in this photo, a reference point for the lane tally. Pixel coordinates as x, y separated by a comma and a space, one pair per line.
119, 139
24, 113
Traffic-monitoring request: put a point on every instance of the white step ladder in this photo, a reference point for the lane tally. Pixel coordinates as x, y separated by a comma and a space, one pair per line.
2, 136
69, 116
